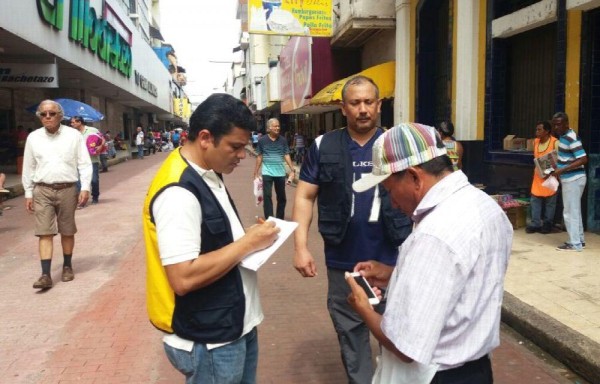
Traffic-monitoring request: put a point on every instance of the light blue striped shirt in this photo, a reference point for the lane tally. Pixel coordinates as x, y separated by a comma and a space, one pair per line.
273, 152
570, 149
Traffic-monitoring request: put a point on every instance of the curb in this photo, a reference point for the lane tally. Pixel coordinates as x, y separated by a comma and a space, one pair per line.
578, 352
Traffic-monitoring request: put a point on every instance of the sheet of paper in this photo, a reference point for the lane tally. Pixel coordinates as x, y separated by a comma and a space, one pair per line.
255, 260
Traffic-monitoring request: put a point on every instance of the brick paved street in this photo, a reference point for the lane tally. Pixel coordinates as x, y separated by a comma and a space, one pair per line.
95, 329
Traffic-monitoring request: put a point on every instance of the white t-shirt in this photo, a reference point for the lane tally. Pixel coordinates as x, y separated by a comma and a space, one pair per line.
176, 212
139, 138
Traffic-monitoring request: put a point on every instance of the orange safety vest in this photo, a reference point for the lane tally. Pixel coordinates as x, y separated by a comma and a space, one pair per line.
536, 187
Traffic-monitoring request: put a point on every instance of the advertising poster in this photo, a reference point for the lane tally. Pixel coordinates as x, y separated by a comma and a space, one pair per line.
290, 17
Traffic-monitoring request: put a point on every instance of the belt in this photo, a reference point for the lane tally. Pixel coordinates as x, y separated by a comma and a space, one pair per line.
56, 186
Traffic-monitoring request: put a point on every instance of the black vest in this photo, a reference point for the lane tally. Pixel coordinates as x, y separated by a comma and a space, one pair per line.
335, 194
215, 313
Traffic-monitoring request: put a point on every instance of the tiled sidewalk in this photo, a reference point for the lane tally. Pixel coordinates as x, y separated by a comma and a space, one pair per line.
95, 329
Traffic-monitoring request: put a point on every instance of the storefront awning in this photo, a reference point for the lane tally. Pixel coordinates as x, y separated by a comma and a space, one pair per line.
384, 75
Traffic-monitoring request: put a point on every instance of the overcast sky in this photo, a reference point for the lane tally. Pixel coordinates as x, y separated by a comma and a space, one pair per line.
201, 31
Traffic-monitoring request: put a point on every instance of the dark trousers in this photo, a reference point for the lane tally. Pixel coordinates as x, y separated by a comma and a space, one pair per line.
279, 182
104, 161
95, 181
474, 372
353, 334
95, 192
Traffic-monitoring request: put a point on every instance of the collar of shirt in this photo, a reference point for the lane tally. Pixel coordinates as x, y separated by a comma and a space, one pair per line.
58, 131
439, 192
212, 179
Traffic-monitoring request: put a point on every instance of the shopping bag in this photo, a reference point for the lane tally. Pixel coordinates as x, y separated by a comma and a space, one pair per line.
258, 191
551, 183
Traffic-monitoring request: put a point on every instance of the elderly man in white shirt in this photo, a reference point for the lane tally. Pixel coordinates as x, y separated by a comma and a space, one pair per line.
444, 296
55, 158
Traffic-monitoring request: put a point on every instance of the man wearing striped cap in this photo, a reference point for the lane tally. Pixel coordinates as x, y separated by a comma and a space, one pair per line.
444, 296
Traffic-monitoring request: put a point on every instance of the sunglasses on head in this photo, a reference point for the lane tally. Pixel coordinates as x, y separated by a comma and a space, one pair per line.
51, 114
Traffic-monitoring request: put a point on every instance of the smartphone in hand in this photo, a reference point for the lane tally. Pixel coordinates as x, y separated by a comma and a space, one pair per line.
360, 280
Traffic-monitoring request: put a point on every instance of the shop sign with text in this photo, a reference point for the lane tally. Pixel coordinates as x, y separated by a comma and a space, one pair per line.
88, 29
295, 78
290, 17
17, 75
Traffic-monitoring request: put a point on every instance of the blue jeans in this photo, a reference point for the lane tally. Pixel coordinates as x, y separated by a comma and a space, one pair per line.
95, 182
234, 363
140, 149
279, 182
536, 210
571, 195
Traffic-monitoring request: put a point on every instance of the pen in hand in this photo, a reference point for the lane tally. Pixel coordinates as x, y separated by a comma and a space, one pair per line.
259, 220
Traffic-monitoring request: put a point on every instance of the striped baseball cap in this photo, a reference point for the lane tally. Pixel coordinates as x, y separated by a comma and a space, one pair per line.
403, 146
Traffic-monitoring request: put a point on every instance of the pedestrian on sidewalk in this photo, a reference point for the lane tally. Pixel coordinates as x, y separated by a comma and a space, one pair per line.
299, 144
197, 292
354, 227
2, 179
95, 144
453, 148
272, 154
542, 198
444, 296
56, 157
571, 173
139, 142
2, 191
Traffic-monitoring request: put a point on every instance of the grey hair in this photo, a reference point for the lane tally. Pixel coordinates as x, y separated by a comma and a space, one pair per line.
271, 120
61, 111
561, 115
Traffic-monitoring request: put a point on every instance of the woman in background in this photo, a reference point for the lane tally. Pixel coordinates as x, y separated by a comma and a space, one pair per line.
453, 147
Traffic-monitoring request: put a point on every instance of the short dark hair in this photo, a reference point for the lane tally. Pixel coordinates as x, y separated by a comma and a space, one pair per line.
546, 124
446, 127
78, 119
219, 114
357, 80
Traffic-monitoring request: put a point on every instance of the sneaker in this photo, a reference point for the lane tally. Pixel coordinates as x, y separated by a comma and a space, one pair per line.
568, 247
94, 202
531, 229
582, 245
44, 282
67, 274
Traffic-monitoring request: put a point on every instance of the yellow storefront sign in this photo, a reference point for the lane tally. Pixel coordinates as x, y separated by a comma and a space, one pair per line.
290, 17
182, 108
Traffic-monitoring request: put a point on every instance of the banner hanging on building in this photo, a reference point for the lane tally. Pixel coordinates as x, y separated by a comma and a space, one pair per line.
17, 75
290, 17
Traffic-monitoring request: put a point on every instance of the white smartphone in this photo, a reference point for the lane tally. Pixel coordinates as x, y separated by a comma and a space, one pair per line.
360, 279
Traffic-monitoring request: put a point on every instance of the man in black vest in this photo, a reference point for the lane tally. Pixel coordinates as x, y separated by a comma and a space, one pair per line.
198, 293
355, 227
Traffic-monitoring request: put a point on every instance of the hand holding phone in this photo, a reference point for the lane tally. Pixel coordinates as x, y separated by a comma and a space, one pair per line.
360, 280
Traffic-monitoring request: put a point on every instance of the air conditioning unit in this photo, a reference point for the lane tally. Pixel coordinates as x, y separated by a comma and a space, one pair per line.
134, 16
243, 72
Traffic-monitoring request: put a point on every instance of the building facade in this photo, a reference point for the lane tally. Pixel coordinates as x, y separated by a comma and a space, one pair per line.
99, 52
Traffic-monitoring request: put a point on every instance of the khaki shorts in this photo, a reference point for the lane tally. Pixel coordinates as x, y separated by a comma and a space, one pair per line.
54, 210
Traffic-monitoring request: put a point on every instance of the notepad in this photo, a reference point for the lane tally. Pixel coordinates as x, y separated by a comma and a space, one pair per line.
255, 260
